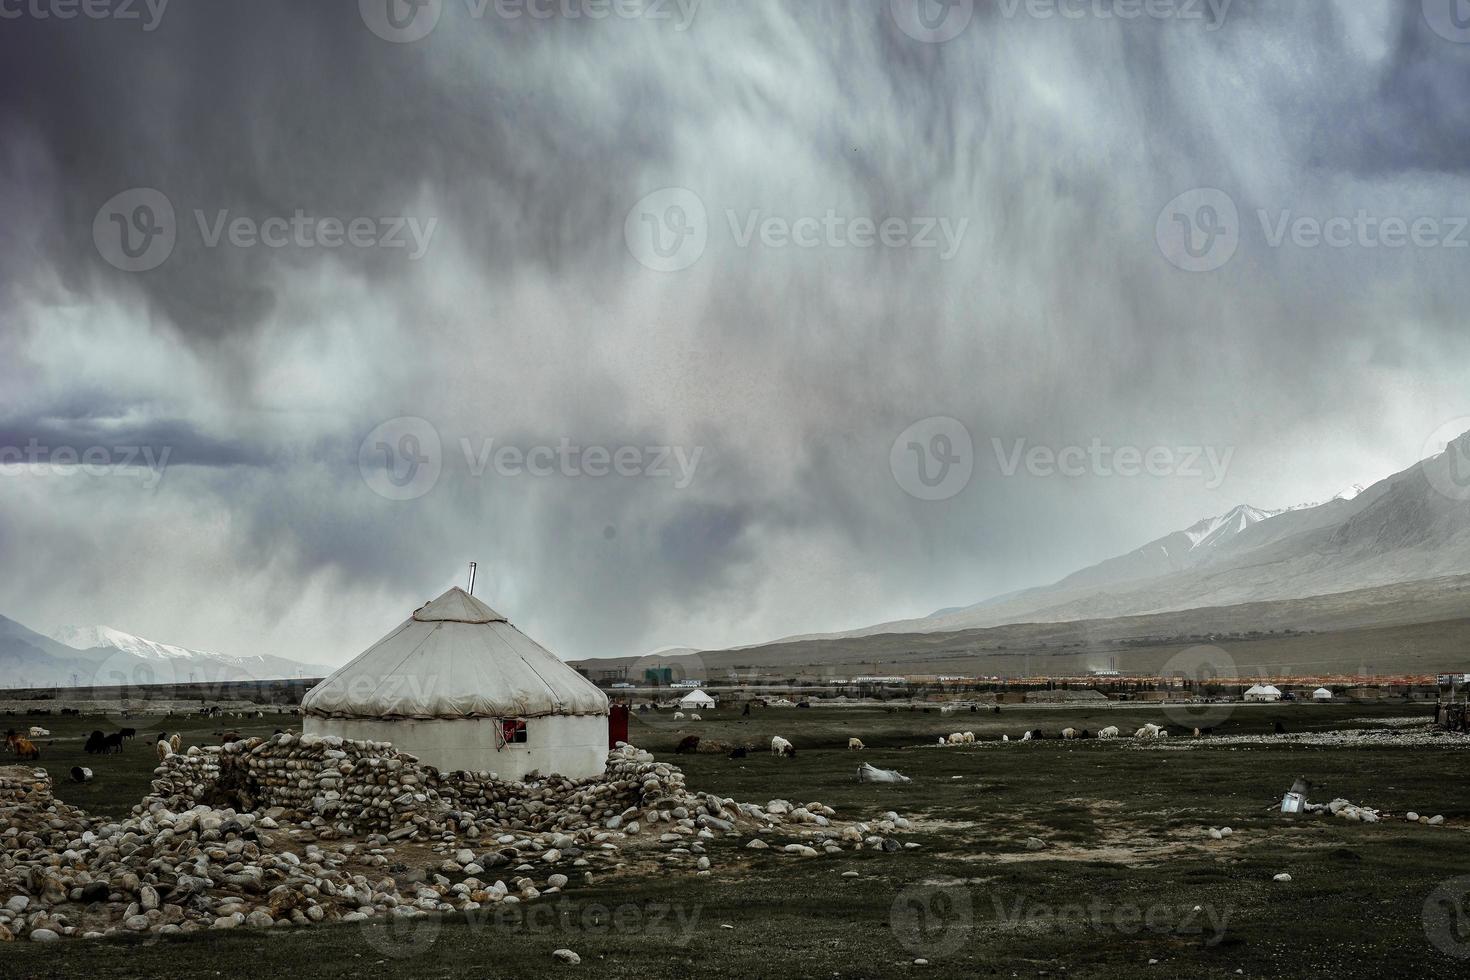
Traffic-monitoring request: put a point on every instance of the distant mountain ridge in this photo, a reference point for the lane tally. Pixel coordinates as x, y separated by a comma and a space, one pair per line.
1411, 526
101, 656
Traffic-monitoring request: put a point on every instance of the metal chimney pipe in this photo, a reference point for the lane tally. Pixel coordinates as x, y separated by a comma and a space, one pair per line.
472, 578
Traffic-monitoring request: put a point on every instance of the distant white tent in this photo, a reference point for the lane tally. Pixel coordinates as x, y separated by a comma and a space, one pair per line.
1263, 692
696, 699
1321, 694
461, 688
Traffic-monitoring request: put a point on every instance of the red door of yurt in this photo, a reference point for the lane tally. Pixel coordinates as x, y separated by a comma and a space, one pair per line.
617, 725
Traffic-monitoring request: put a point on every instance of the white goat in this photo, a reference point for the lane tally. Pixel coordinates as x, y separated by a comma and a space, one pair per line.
1110, 732
678, 716
695, 717
779, 746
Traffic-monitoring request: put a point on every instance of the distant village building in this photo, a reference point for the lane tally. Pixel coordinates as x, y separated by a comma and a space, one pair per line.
880, 680
461, 688
1263, 692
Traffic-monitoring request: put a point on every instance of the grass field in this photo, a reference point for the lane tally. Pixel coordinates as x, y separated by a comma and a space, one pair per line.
1128, 861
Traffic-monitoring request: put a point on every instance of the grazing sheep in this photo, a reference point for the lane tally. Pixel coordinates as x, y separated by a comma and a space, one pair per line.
969, 738
678, 716
1148, 731
1026, 737
855, 744
1110, 732
163, 750
37, 732
695, 717
1069, 733
176, 742
1005, 738
942, 740
779, 746
689, 743
957, 738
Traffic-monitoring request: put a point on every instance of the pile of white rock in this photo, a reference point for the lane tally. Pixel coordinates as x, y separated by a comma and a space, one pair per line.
1346, 810
291, 831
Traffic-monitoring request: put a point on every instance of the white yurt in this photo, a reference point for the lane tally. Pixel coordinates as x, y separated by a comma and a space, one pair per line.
1321, 694
462, 689
696, 700
1263, 692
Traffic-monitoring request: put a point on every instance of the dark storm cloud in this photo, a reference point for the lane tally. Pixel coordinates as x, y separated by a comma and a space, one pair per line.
517, 146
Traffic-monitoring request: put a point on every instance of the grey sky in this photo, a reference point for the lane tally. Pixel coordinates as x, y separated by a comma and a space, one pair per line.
516, 146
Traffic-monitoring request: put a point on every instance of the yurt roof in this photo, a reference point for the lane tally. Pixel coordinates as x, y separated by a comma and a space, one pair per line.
1322, 690
1264, 689
455, 657
696, 695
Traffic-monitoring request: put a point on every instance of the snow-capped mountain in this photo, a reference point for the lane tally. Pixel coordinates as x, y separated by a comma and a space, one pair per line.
1410, 526
94, 637
180, 663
